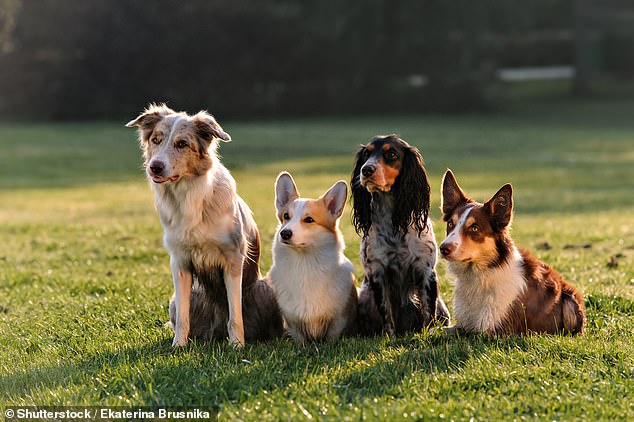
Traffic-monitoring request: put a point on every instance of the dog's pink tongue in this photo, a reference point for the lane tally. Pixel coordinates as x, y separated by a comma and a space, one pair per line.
166, 179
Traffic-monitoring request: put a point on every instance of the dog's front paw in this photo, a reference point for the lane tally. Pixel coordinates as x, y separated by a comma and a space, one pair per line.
236, 342
179, 342
236, 334
452, 331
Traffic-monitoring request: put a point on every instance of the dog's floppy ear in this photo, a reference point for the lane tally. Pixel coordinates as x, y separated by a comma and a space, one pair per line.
335, 198
361, 198
285, 190
412, 193
208, 128
452, 195
500, 207
153, 114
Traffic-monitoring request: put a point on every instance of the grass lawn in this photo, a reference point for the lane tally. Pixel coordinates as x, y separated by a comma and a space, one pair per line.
85, 282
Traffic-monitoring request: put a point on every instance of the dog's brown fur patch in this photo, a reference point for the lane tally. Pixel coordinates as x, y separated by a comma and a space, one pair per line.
549, 304
523, 293
317, 209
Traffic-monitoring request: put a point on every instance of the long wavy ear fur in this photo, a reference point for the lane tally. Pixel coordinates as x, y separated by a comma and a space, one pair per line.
412, 194
361, 198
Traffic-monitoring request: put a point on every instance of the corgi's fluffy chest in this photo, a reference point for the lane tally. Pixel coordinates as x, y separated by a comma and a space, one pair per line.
313, 279
483, 298
312, 284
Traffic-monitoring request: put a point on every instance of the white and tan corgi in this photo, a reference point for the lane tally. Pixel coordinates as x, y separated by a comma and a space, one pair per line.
501, 289
313, 279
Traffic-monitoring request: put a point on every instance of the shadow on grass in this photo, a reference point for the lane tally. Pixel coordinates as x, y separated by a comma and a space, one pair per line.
215, 375
441, 355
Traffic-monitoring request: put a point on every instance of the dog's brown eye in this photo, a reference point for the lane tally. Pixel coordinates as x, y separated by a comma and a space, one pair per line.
155, 140
181, 144
309, 220
474, 228
450, 224
286, 216
390, 156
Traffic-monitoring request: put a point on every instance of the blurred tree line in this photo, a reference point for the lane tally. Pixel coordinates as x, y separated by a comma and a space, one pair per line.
69, 59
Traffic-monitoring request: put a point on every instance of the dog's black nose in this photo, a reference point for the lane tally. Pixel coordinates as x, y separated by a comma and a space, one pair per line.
157, 167
368, 170
446, 249
286, 234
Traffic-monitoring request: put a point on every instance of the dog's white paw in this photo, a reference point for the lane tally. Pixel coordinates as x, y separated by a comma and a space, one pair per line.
236, 334
236, 343
179, 342
451, 331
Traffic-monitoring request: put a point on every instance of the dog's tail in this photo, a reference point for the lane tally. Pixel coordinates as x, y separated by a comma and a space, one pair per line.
262, 315
251, 268
573, 313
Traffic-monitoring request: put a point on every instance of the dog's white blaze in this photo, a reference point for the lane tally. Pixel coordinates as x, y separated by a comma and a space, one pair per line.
482, 298
164, 151
295, 223
454, 237
177, 120
371, 160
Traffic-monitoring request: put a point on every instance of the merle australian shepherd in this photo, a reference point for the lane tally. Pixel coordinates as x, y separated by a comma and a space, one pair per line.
501, 289
209, 232
390, 195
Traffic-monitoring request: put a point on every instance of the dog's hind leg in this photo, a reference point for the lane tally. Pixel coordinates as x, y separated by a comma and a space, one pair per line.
261, 313
182, 292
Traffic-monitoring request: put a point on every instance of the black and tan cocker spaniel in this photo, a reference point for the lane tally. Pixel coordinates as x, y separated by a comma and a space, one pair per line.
390, 195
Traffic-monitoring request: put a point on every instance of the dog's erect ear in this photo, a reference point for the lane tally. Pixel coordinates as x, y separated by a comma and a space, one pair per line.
335, 198
208, 128
500, 207
150, 117
452, 195
285, 190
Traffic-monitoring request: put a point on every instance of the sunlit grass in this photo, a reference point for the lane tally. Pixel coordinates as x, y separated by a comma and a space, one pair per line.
84, 280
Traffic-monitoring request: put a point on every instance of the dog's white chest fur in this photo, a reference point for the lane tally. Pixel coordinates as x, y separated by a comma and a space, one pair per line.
311, 286
482, 299
197, 227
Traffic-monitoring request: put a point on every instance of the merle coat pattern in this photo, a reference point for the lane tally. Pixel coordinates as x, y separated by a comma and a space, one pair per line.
391, 195
209, 232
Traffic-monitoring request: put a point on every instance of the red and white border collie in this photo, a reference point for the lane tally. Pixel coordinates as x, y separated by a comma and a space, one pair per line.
499, 288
